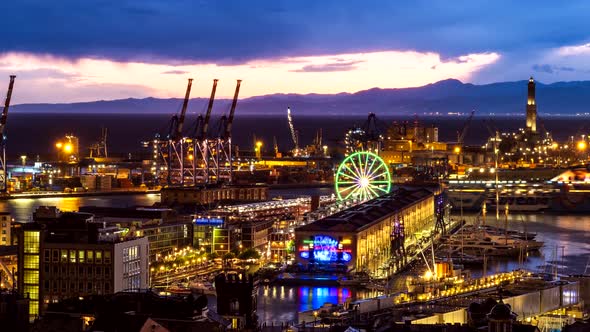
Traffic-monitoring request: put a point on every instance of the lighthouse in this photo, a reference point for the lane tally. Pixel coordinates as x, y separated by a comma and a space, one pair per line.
531, 107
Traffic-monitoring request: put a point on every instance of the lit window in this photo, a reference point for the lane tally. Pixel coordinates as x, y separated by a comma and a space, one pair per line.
80, 256
72, 256
31, 242
107, 257
90, 256
98, 257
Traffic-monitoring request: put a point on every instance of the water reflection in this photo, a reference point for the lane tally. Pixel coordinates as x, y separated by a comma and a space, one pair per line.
566, 243
282, 303
22, 209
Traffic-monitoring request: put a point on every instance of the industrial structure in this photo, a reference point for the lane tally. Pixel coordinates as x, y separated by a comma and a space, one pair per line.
365, 138
3, 172
198, 157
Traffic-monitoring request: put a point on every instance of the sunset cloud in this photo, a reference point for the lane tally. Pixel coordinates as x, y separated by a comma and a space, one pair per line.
90, 79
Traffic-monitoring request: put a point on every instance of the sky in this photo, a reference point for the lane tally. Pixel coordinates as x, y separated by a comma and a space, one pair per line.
71, 50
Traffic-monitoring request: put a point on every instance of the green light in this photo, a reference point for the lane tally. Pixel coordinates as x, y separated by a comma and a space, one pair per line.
362, 175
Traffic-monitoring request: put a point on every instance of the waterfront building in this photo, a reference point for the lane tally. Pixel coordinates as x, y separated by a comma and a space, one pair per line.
255, 233
164, 229
210, 194
211, 234
63, 255
376, 236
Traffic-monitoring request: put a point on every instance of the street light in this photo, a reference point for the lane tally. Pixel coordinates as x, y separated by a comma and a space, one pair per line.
258, 149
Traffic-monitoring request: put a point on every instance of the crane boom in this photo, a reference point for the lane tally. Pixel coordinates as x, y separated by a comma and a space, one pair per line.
6, 106
209, 108
292, 128
463, 132
230, 118
180, 124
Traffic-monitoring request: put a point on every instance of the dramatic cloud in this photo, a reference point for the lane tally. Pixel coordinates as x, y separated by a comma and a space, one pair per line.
160, 31
550, 69
287, 46
57, 80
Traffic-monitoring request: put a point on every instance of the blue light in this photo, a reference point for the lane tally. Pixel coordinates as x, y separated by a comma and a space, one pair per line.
208, 221
304, 254
346, 257
325, 249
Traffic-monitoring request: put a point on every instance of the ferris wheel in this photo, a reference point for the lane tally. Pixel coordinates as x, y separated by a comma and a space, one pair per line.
362, 175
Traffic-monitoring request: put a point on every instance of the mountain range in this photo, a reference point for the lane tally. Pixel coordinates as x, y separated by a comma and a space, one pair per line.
565, 98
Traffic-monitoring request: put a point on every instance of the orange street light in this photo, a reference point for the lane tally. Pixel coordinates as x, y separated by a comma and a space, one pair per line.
68, 148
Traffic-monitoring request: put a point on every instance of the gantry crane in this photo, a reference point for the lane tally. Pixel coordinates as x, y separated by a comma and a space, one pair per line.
3, 186
224, 155
173, 145
200, 145
99, 149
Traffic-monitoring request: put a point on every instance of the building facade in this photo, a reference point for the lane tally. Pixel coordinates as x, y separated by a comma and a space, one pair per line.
213, 193
64, 255
376, 237
164, 229
5, 229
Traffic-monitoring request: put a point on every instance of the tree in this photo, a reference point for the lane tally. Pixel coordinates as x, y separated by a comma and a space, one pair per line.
229, 256
249, 253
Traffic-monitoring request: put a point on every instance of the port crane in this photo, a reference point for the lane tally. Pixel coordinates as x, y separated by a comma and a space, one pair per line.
170, 149
200, 144
463, 132
225, 155
293, 132
3, 186
99, 149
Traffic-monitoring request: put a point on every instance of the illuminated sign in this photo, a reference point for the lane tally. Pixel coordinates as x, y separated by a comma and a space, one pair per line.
346, 257
325, 249
208, 221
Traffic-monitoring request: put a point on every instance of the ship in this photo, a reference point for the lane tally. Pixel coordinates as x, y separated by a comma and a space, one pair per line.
567, 192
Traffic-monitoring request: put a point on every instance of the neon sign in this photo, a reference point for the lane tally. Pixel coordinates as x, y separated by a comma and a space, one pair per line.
325, 249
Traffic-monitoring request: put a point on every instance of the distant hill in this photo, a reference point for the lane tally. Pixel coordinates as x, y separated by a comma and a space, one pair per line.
445, 96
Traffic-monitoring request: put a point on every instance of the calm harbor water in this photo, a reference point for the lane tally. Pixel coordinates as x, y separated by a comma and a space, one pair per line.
567, 234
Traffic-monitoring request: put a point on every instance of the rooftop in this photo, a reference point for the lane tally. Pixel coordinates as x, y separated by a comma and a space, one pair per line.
365, 214
215, 186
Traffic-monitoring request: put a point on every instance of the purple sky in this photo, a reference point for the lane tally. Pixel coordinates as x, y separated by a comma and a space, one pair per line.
86, 50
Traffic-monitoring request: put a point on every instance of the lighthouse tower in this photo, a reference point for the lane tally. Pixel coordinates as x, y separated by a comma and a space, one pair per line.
531, 108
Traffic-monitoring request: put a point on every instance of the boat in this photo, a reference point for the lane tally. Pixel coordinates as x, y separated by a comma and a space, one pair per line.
566, 192
355, 279
178, 289
202, 287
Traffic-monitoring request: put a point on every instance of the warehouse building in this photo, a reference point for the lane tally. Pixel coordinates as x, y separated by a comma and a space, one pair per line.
374, 237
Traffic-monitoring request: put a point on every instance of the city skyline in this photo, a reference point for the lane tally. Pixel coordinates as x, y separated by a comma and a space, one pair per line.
82, 52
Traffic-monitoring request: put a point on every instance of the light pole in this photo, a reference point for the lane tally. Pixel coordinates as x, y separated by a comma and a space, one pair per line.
258, 150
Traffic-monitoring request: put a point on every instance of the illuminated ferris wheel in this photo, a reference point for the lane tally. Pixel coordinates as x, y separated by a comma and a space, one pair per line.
362, 175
